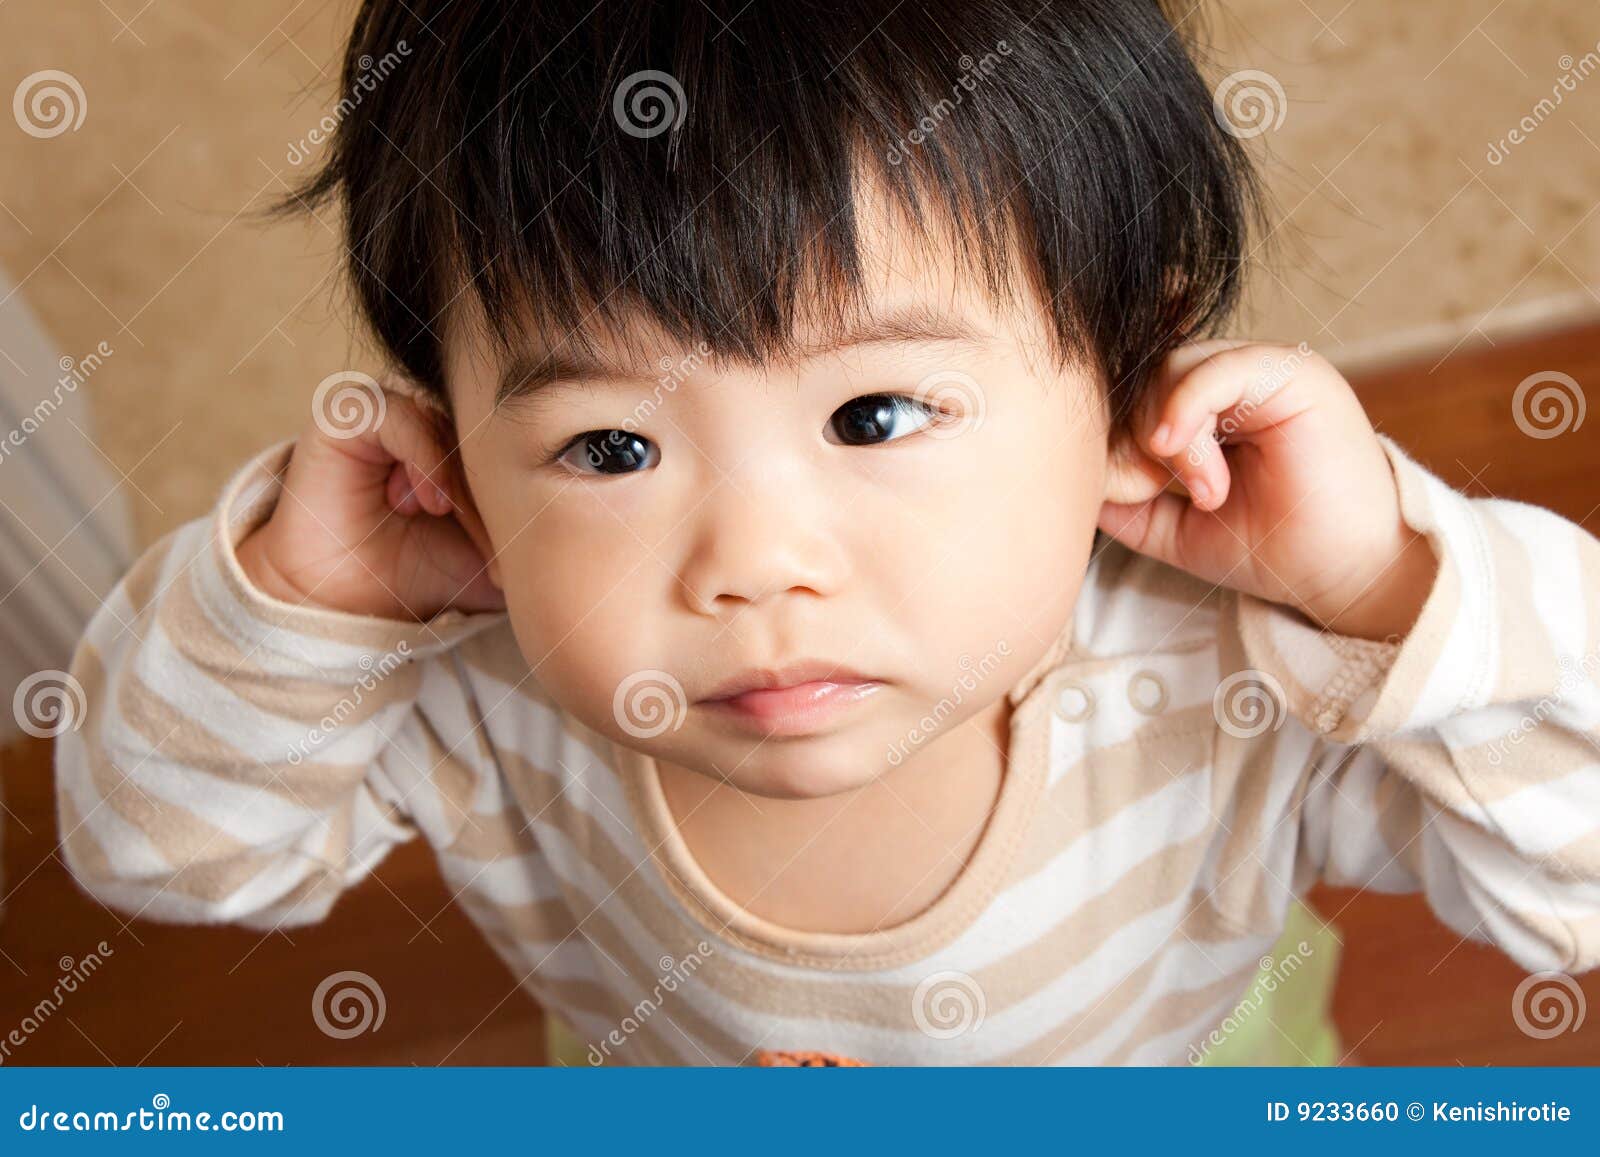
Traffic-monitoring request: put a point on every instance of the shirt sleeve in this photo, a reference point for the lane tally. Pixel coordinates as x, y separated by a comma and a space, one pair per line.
1462, 761
240, 758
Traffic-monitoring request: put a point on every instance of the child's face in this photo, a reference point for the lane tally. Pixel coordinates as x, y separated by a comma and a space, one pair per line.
768, 516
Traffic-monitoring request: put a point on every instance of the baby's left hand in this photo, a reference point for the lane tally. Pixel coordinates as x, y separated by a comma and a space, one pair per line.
1290, 496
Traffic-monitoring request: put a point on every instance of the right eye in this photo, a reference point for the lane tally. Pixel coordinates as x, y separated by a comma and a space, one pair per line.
609, 452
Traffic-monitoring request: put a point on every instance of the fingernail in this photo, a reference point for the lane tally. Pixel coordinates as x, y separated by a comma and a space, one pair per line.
444, 498
1199, 492
1162, 434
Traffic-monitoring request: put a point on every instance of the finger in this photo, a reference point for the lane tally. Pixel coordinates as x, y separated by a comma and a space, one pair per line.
1202, 468
1186, 358
409, 435
1197, 464
1154, 528
399, 491
1243, 388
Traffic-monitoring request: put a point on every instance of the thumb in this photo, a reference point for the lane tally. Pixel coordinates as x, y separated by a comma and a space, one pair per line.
1153, 528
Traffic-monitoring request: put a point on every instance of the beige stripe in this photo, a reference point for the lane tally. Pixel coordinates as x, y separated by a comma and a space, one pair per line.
1576, 860
496, 654
1181, 1008
1244, 780
648, 1040
1055, 1043
1589, 595
1576, 942
487, 837
1097, 788
87, 859
216, 880
139, 583
186, 742
597, 928
176, 832
228, 864
308, 902
1126, 577
542, 921
193, 633
1420, 653
1156, 881
1527, 654
1543, 753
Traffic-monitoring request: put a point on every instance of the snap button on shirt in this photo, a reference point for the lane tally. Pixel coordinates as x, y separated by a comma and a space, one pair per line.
1074, 702
1147, 691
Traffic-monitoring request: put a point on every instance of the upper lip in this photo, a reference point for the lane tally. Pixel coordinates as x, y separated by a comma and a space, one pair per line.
789, 675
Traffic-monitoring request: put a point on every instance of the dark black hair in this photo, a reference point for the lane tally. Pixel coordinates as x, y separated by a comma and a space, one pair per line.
696, 162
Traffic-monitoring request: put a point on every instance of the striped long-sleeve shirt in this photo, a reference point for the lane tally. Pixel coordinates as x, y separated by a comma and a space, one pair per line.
1184, 763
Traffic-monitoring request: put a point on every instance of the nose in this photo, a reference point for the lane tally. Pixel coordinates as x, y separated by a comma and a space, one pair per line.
762, 534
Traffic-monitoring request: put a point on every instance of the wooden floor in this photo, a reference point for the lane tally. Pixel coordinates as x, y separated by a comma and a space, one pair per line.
1410, 991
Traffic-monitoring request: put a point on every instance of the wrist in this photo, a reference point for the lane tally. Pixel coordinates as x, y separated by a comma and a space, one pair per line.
255, 559
1385, 605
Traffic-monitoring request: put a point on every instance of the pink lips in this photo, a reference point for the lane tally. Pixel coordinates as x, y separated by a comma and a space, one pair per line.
792, 700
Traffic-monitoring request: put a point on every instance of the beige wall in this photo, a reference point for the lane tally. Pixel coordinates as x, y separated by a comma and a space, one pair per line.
132, 229
1395, 226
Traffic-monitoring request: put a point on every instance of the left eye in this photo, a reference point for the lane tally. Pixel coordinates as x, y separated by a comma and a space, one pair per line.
874, 418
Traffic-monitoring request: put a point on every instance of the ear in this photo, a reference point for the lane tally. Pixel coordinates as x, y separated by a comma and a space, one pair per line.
1132, 476
466, 507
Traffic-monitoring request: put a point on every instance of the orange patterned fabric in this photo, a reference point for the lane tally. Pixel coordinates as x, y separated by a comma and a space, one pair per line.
805, 1059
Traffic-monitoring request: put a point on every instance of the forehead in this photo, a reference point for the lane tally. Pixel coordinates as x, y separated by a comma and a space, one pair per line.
911, 285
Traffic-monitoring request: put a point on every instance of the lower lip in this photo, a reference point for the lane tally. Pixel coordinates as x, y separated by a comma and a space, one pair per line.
796, 710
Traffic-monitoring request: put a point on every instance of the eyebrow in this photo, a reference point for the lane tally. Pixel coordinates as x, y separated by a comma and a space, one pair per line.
534, 371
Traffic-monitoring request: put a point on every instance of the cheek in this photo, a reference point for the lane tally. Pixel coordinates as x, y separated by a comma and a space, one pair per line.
582, 605
998, 549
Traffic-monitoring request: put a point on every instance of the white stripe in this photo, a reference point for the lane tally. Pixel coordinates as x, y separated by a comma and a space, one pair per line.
1556, 571
130, 853
1463, 674
271, 738
509, 881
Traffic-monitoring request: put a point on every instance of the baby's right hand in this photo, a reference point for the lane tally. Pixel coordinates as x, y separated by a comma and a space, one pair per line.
375, 520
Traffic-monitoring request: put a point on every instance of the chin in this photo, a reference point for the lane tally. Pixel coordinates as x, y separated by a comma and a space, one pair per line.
805, 769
